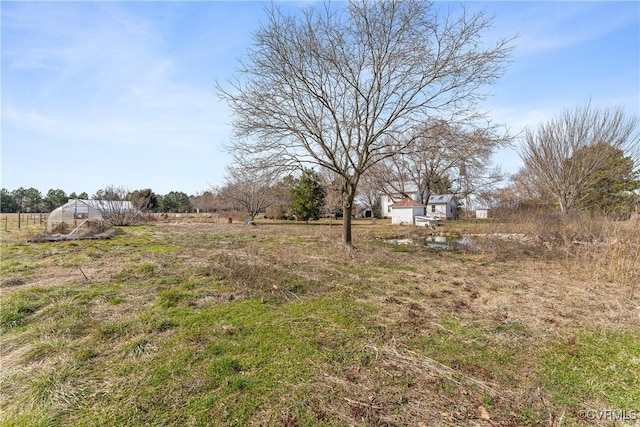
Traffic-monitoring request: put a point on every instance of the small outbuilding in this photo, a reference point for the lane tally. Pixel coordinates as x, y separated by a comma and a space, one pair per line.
483, 213
405, 211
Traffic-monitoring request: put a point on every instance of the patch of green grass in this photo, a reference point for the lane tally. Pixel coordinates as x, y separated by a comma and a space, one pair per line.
136, 272
160, 248
33, 418
240, 359
398, 267
116, 300
513, 329
599, 366
155, 320
47, 395
49, 346
467, 348
187, 292
114, 330
172, 297
17, 265
17, 309
277, 325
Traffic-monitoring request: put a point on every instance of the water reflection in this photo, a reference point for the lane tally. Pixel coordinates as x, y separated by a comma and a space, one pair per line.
450, 242
438, 242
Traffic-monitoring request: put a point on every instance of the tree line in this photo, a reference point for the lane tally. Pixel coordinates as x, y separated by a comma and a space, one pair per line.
32, 200
304, 197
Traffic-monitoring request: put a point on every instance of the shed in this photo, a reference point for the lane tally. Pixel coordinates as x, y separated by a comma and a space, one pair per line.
77, 211
483, 213
405, 211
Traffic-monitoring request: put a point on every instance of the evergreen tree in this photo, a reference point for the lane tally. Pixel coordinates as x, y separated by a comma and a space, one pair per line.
55, 198
174, 201
611, 189
307, 196
8, 202
28, 200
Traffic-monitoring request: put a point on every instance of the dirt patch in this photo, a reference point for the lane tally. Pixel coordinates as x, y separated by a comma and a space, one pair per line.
89, 234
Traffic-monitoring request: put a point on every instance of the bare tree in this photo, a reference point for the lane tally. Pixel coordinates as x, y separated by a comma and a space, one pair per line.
521, 193
561, 156
332, 192
369, 192
336, 87
282, 201
249, 185
203, 201
449, 158
115, 207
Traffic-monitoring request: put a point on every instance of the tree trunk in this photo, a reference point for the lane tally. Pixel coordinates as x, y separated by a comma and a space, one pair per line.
346, 226
348, 195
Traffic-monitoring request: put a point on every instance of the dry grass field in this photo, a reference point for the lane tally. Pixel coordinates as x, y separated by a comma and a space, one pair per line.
23, 223
199, 323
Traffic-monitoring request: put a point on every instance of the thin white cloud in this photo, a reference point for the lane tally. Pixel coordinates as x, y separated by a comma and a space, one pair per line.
127, 84
544, 26
103, 77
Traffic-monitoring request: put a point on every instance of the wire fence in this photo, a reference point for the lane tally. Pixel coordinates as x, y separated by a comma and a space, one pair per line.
22, 221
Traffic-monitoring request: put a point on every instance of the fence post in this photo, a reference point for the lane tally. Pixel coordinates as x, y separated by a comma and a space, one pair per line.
6, 223
19, 220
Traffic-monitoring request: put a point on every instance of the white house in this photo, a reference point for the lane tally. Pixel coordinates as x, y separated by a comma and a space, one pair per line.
406, 210
386, 201
443, 206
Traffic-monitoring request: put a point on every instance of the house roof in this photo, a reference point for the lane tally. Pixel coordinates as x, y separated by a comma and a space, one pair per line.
407, 203
435, 199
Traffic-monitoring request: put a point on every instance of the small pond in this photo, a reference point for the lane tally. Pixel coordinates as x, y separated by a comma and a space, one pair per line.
437, 242
448, 242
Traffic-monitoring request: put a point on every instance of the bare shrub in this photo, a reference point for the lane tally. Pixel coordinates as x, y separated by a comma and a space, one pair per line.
615, 257
115, 208
556, 229
592, 245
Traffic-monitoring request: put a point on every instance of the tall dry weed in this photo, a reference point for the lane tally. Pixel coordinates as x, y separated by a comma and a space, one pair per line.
615, 257
601, 248
561, 230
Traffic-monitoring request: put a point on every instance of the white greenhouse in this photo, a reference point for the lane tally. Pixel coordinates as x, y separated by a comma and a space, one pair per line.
76, 212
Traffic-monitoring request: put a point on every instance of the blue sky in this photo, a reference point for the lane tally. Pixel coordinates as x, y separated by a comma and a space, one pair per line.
121, 93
